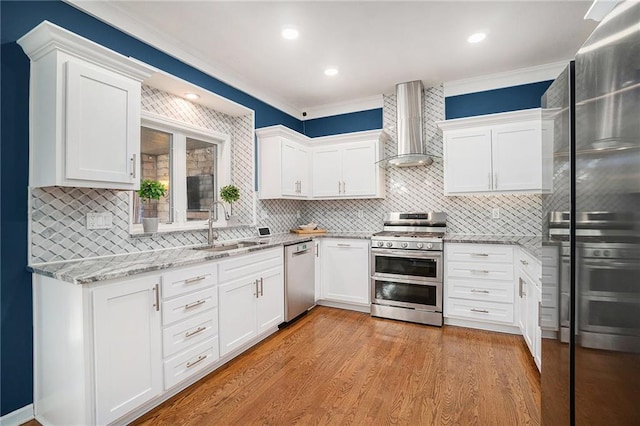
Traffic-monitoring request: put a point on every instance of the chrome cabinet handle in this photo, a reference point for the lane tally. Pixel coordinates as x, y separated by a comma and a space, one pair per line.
261, 287
519, 287
133, 166
482, 311
200, 358
257, 291
495, 181
344, 187
473, 290
480, 254
339, 188
343, 245
524, 262
479, 271
195, 279
489, 180
156, 289
194, 332
194, 304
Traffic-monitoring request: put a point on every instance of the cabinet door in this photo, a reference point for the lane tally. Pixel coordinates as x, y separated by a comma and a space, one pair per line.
327, 168
359, 169
128, 347
517, 157
302, 171
345, 270
536, 330
270, 304
237, 307
294, 160
522, 305
102, 126
467, 156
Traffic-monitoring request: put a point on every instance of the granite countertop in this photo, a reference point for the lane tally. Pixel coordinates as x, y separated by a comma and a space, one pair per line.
532, 244
85, 271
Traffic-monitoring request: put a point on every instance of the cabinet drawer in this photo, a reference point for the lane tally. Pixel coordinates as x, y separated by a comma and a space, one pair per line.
529, 265
250, 265
189, 305
189, 332
187, 363
493, 291
485, 253
190, 279
478, 271
480, 310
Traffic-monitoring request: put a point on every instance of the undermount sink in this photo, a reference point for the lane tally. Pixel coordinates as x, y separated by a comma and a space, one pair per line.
227, 247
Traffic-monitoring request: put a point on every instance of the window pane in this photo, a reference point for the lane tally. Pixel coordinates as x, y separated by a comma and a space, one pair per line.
201, 178
155, 161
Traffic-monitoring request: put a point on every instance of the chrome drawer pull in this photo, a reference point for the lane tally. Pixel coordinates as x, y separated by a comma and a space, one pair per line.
480, 254
195, 279
479, 271
156, 289
524, 262
482, 311
194, 304
473, 290
194, 332
343, 245
200, 358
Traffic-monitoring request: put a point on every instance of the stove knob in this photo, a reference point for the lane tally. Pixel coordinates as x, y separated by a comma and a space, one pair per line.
419, 245
404, 245
429, 245
606, 253
389, 244
380, 243
596, 252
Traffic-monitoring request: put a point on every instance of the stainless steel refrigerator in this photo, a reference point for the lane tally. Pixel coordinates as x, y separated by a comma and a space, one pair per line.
590, 311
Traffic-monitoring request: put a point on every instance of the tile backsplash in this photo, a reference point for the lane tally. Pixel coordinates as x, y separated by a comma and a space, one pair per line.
58, 229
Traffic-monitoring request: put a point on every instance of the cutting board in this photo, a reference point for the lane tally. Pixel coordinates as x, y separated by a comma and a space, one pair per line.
308, 231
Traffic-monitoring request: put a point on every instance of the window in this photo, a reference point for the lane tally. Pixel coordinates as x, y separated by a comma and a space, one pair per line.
193, 163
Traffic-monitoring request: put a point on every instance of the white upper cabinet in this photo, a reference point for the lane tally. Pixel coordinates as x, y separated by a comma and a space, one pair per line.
84, 112
292, 165
284, 168
497, 153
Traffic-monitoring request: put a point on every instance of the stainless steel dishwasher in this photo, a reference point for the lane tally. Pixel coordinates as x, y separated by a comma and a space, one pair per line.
299, 275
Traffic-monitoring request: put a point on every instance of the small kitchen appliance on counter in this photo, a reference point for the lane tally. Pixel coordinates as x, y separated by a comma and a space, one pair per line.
406, 267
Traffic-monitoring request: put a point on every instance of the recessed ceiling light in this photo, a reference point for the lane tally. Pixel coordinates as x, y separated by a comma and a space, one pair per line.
191, 96
331, 72
476, 38
290, 33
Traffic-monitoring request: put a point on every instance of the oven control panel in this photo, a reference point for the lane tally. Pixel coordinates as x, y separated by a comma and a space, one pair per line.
406, 245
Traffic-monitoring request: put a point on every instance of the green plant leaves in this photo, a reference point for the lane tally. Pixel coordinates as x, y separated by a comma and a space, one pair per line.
151, 190
230, 193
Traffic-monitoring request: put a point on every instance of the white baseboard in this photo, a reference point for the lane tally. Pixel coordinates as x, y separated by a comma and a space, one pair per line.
358, 307
18, 417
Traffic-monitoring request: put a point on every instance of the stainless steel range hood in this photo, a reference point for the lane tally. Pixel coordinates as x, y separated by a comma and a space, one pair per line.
411, 148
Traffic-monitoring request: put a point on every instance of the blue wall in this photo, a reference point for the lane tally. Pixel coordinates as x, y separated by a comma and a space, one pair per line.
505, 99
16, 351
343, 123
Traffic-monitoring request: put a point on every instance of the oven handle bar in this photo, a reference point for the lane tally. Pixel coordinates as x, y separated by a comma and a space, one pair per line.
402, 280
409, 254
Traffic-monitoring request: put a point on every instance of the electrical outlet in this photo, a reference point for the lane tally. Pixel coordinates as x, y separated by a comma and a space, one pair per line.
360, 214
495, 213
99, 220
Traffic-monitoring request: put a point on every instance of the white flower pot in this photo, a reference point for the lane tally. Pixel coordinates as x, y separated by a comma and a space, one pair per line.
150, 225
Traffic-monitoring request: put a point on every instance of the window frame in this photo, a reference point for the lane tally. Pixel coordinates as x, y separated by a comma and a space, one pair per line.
180, 131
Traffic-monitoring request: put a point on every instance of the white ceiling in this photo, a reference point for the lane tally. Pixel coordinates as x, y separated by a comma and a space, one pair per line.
374, 44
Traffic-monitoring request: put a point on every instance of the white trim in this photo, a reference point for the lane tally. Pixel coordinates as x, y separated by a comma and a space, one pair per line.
280, 130
505, 79
490, 119
478, 325
114, 15
357, 105
18, 417
599, 9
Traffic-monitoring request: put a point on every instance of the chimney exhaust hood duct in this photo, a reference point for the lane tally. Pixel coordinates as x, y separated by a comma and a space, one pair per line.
411, 148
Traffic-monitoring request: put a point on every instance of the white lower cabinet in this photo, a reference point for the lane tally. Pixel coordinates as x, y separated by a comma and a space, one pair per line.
128, 346
529, 300
251, 297
479, 286
344, 272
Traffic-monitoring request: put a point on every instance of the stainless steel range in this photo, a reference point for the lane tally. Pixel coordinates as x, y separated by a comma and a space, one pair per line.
406, 267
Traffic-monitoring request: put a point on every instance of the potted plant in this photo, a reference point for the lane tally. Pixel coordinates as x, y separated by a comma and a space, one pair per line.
230, 194
151, 190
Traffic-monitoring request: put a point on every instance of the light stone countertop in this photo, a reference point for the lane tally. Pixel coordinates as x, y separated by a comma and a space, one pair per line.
532, 244
85, 271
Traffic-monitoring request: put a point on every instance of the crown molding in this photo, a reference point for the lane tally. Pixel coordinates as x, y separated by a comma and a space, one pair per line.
114, 15
490, 119
357, 105
505, 79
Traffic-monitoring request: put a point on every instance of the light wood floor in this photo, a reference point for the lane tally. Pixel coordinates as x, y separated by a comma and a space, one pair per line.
341, 367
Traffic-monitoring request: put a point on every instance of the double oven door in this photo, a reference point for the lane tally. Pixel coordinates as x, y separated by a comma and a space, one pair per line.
407, 278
